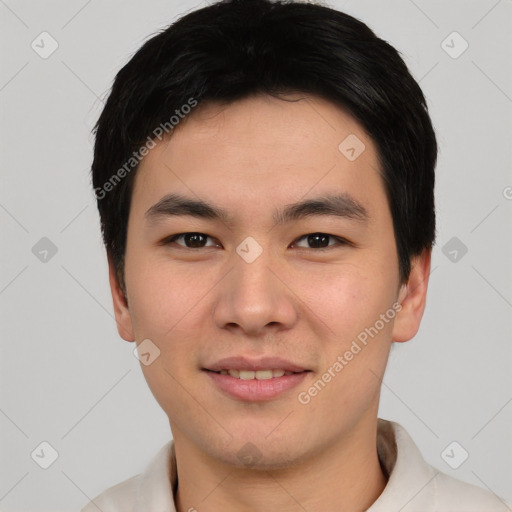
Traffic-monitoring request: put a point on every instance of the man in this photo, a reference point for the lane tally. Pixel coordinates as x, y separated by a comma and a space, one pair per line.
265, 180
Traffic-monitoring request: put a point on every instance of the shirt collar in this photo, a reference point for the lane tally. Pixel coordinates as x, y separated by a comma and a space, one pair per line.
159, 480
411, 481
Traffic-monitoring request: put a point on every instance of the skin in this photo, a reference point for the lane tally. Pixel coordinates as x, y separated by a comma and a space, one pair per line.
295, 301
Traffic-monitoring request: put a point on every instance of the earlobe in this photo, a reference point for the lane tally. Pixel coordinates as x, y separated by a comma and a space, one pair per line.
412, 297
121, 311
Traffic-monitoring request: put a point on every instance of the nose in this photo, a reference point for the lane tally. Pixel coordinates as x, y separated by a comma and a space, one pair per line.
255, 297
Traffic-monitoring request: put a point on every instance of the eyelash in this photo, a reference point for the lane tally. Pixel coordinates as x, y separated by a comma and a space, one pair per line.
341, 241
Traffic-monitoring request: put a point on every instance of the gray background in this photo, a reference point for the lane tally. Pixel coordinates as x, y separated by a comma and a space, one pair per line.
66, 376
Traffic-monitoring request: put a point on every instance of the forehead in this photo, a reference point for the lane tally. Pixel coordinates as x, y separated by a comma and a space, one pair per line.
291, 120
260, 150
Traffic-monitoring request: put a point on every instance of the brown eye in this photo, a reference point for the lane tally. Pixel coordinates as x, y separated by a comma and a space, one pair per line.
321, 241
191, 240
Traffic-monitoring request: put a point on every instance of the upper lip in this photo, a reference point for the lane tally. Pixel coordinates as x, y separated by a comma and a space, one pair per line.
264, 363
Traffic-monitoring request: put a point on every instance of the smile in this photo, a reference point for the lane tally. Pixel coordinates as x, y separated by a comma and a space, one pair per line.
254, 386
259, 374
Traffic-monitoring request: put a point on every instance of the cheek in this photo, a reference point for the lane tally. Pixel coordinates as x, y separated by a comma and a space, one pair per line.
354, 304
355, 350
160, 297
166, 308
161, 311
348, 299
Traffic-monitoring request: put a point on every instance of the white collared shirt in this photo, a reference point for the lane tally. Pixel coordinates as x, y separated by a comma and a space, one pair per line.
413, 485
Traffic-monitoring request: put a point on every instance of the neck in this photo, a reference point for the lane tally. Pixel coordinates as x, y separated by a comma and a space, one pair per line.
347, 476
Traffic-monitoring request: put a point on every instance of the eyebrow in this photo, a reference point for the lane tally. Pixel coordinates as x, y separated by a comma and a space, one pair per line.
339, 205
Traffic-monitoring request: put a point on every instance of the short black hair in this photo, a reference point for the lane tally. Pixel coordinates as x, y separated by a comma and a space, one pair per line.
233, 49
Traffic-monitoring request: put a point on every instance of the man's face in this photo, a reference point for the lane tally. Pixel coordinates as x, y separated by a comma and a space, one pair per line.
303, 299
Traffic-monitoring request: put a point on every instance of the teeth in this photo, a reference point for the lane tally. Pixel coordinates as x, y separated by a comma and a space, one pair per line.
258, 375
264, 374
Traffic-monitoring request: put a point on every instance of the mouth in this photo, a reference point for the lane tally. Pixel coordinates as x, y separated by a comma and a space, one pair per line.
255, 374
255, 385
252, 379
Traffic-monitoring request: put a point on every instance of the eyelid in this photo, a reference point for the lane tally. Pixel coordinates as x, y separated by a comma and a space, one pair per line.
340, 240
171, 238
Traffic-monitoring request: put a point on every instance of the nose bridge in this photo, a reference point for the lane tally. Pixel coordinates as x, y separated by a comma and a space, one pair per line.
254, 287
253, 273
252, 295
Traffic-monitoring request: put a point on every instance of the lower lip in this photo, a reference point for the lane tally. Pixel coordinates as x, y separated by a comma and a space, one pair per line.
254, 390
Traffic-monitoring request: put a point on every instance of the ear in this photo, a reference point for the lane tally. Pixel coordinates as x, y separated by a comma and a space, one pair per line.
121, 311
412, 297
